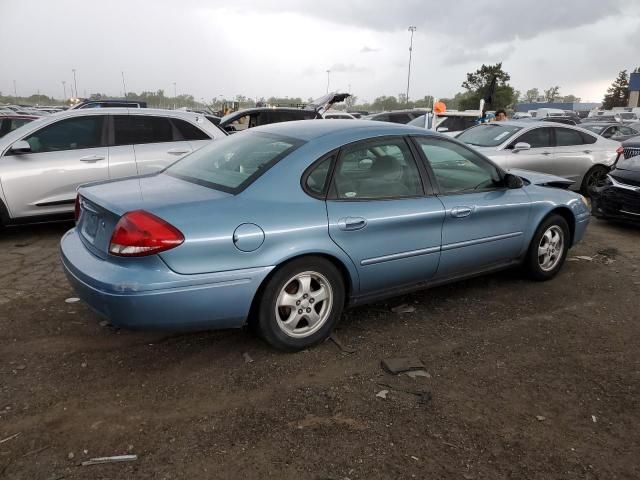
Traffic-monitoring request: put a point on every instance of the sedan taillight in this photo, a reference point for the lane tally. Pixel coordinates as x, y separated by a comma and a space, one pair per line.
77, 208
140, 233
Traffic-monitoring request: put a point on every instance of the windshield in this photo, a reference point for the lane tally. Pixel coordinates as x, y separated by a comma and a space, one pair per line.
232, 163
418, 121
595, 128
628, 116
490, 135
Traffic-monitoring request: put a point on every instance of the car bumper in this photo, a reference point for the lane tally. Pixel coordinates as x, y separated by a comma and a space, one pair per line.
582, 222
144, 294
616, 204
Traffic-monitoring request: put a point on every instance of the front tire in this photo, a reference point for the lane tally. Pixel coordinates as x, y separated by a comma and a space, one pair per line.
548, 250
301, 304
593, 178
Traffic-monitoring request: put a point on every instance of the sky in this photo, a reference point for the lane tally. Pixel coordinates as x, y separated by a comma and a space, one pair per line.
264, 48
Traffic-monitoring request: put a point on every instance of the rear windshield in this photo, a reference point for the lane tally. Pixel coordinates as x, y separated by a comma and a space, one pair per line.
490, 135
594, 128
232, 163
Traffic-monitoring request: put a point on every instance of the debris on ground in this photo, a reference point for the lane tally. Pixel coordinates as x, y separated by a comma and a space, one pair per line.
247, 357
540, 418
104, 323
584, 257
343, 348
382, 394
417, 373
401, 364
594, 419
72, 300
15, 435
71, 455
114, 459
404, 308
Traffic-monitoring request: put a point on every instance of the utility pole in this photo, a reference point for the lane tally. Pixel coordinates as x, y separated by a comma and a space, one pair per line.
411, 29
15, 91
124, 86
328, 73
75, 82
64, 91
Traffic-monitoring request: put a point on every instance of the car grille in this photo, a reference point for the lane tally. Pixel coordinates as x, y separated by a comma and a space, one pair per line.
631, 152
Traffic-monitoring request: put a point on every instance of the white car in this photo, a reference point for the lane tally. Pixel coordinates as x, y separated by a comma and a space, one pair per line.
337, 114
563, 150
43, 162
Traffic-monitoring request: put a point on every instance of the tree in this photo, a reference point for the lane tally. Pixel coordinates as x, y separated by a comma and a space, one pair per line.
618, 93
491, 83
551, 93
571, 99
532, 95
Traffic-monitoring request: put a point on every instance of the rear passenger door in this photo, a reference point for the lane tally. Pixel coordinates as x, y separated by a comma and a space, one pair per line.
156, 142
381, 217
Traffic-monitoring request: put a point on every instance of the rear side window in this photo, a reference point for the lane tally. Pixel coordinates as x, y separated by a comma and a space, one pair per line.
537, 138
189, 131
315, 181
69, 134
588, 139
566, 137
140, 129
400, 118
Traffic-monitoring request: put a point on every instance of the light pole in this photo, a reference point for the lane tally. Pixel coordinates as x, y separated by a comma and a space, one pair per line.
75, 83
15, 91
124, 86
328, 73
175, 95
64, 91
411, 29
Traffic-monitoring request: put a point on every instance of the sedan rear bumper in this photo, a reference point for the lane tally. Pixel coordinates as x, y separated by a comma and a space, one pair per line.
144, 294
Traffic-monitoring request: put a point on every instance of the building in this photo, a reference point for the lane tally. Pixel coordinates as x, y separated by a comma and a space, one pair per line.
634, 89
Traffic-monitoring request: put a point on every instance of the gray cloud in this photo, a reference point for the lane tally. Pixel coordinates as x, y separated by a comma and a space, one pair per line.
460, 56
366, 49
348, 68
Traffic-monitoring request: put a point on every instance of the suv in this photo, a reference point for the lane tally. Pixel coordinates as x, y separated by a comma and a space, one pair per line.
398, 116
42, 163
109, 103
254, 117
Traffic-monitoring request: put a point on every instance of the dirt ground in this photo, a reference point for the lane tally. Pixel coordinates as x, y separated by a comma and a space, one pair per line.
526, 381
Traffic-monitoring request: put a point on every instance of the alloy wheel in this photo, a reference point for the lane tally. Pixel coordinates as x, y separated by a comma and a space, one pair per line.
551, 248
304, 304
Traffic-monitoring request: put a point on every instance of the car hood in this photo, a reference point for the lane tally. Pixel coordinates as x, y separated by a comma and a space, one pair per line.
627, 171
542, 179
324, 103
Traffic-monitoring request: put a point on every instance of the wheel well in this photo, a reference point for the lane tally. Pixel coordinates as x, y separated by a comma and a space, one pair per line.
4, 214
346, 277
567, 214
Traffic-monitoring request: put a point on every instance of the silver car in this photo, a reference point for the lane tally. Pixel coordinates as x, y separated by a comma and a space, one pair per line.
42, 163
563, 150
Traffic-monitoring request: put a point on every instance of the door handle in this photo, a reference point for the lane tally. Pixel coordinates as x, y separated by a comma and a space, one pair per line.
352, 223
461, 212
178, 151
92, 158
546, 153
586, 151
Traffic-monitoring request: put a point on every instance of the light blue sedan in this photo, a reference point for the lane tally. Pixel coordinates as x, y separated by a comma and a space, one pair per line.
283, 226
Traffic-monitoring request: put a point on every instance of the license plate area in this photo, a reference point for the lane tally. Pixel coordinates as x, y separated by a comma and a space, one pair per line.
89, 224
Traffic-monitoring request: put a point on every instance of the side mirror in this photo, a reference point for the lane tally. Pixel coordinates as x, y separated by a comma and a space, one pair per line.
20, 147
230, 128
521, 146
512, 181
442, 129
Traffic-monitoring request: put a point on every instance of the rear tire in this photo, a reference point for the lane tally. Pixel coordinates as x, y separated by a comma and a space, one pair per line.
301, 304
548, 249
593, 178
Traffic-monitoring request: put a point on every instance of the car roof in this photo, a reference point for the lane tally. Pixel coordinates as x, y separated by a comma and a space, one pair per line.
600, 124
124, 111
311, 129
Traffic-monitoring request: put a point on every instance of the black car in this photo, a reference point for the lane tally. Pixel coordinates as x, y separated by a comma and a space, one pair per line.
618, 198
254, 117
109, 103
397, 116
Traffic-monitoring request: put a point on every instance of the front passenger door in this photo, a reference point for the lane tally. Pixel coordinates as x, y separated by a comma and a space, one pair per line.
540, 157
64, 155
484, 222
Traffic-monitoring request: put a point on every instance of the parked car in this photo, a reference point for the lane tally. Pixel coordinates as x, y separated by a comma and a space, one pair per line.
109, 103
634, 125
629, 148
450, 122
8, 123
371, 210
338, 115
614, 130
566, 120
255, 117
618, 197
397, 116
42, 163
564, 150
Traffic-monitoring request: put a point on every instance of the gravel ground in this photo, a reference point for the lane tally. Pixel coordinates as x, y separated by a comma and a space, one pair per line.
526, 381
